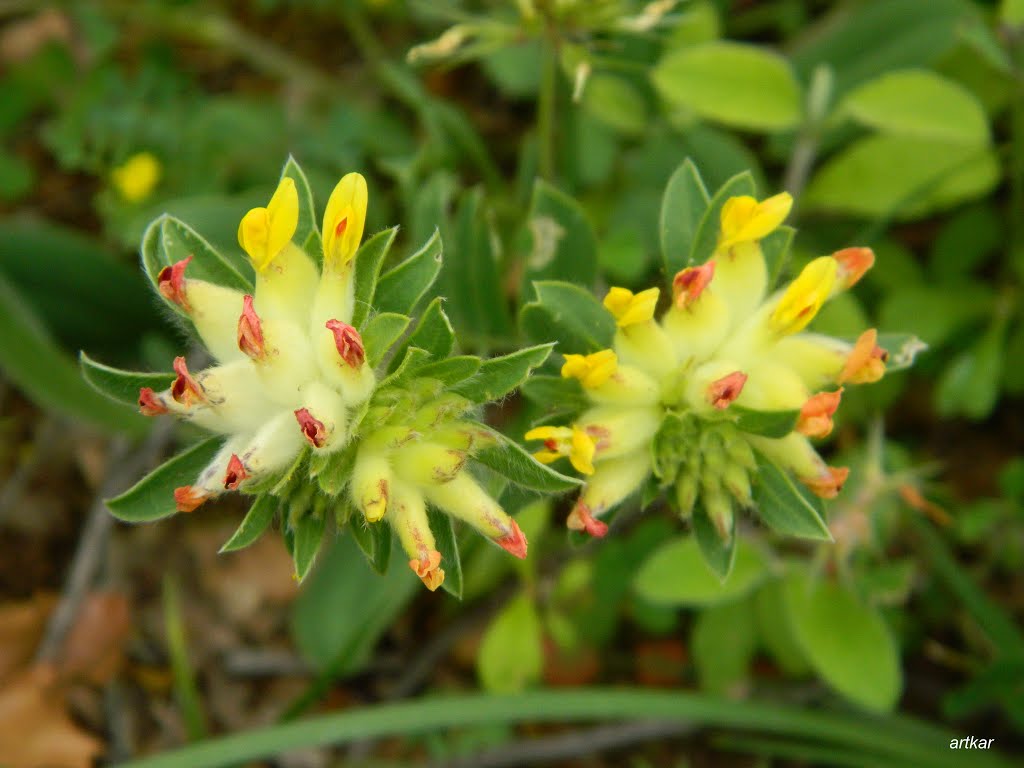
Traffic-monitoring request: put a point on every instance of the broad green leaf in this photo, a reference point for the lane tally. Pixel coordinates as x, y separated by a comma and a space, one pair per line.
31, 360
903, 349
936, 312
965, 241
677, 574
970, 385
719, 554
511, 461
932, 175
1011, 13
785, 507
511, 653
706, 238
561, 241
570, 315
555, 394
846, 642
152, 498
765, 423
344, 607
401, 288
451, 370
448, 546
369, 258
375, 540
682, 208
256, 521
741, 85
500, 375
308, 533
380, 333
169, 240
918, 103
433, 333
122, 386
775, 247
723, 643
307, 227
616, 102
719, 154
774, 631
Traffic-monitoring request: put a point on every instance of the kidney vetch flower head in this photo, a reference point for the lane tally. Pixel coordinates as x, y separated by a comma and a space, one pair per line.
718, 399
325, 405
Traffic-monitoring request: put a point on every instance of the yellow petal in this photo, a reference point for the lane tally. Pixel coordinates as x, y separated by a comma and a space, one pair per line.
628, 308
264, 232
344, 220
549, 433
592, 370
582, 451
744, 219
805, 296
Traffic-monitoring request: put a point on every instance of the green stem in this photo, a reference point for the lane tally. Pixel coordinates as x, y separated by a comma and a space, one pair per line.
177, 648
893, 739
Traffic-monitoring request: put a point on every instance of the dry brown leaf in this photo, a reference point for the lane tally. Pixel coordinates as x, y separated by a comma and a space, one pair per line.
35, 730
21, 628
93, 648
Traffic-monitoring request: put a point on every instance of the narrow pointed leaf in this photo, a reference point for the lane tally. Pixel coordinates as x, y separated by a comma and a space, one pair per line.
706, 239
719, 555
309, 533
368, 262
307, 227
401, 288
682, 208
448, 546
256, 521
785, 507
500, 375
119, 385
169, 240
568, 314
452, 370
765, 423
374, 539
511, 461
775, 247
380, 334
433, 333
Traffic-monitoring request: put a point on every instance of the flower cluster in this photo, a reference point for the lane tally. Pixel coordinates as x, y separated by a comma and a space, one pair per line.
675, 399
308, 411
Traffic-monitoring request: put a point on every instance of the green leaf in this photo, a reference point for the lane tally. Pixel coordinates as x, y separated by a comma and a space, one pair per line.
511, 653
374, 539
451, 370
845, 641
309, 533
921, 104
509, 460
256, 521
765, 423
332, 471
1011, 13
706, 239
785, 507
369, 258
30, 359
380, 333
723, 643
677, 574
307, 227
776, 246
682, 208
152, 498
970, 385
409, 366
733, 83
933, 175
774, 631
122, 386
555, 394
903, 349
169, 240
401, 288
719, 555
616, 102
500, 375
561, 241
434, 332
448, 546
570, 315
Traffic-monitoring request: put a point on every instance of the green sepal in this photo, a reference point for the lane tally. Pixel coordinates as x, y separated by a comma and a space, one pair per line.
706, 238
119, 385
306, 232
307, 535
718, 554
500, 375
786, 508
408, 368
568, 314
256, 521
401, 288
285, 478
682, 208
152, 498
775, 246
374, 540
773, 424
333, 470
433, 333
368, 259
448, 546
452, 370
381, 333
511, 461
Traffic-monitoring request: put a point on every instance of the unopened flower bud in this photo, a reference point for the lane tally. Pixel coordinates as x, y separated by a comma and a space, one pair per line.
816, 414
371, 485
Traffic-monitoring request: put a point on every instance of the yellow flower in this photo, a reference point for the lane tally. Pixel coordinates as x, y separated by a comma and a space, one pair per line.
344, 220
136, 178
805, 296
592, 370
744, 219
630, 308
565, 441
264, 232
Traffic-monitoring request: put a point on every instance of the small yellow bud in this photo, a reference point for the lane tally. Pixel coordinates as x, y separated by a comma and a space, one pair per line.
804, 296
592, 370
630, 308
135, 179
744, 219
371, 485
264, 232
344, 220
573, 442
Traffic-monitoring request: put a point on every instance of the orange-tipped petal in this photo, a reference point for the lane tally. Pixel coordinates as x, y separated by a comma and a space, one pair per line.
853, 263
185, 389
429, 569
188, 498
514, 543
149, 403
236, 473
348, 342
250, 331
689, 283
723, 391
171, 283
866, 363
312, 428
829, 483
816, 415
582, 519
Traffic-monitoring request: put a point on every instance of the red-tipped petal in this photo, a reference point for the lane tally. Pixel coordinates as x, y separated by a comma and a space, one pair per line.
582, 519
816, 415
185, 389
235, 474
829, 483
429, 569
866, 363
250, 331
171, 283
312, 428
349, 343
853, 263
188, 498
722, 392
149, 403
689, 283
514, 543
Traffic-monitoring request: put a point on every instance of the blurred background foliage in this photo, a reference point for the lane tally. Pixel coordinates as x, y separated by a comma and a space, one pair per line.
538, 136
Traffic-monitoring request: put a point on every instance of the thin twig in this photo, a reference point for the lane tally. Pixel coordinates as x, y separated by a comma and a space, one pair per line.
588, 741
